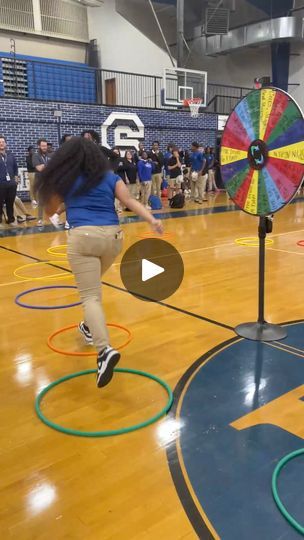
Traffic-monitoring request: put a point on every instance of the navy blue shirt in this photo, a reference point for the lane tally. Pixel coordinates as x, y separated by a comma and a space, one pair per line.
96, 207
8, 166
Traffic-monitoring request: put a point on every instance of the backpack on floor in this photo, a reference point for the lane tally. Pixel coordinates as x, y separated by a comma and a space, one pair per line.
155, 202
178, 201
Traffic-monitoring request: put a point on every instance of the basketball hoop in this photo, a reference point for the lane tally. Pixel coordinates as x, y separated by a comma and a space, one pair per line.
194, 105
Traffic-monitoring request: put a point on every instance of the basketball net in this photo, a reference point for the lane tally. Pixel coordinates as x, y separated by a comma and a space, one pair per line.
194, 105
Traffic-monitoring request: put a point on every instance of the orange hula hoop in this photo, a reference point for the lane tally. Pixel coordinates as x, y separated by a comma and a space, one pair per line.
72, 353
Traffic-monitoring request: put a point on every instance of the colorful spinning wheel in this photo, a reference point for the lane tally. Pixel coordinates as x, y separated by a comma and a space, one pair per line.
262, 151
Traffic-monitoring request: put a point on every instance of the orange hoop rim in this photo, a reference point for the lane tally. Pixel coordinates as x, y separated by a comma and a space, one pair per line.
193, 101
73, 353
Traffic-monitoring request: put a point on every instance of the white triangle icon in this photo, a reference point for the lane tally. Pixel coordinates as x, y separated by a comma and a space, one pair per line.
149, 270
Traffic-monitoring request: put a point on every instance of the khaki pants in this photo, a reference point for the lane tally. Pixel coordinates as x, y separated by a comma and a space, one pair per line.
31, 177
156, 184
200, 186
91, 251
211, 180
133, 190
145, 192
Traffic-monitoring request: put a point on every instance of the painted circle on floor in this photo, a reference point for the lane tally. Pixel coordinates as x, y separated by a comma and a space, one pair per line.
262, 151
239, 409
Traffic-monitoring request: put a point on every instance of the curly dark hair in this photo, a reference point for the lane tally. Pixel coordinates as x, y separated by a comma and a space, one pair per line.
76, 157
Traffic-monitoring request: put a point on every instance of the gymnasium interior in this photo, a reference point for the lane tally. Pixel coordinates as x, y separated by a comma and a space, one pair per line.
200, 434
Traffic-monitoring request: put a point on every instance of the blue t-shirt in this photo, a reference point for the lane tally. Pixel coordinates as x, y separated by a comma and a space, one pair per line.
95, 207
197, 160
145, 169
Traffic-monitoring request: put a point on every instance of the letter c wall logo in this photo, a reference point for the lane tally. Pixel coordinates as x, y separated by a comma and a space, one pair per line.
128, 130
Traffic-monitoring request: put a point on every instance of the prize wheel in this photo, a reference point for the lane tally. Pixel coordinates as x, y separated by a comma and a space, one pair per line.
262, 151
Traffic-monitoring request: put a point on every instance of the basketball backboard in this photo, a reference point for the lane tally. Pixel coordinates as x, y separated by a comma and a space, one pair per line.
180, 84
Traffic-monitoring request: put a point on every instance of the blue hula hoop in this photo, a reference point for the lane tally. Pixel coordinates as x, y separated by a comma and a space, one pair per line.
28, 306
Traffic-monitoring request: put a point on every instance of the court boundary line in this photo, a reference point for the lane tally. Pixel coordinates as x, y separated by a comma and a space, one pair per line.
126, 220
121, 289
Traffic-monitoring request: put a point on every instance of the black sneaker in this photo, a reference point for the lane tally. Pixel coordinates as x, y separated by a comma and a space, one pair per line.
85, 332
106, 362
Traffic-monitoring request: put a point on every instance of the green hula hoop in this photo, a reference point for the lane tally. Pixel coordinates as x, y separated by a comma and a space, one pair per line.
106, 433
274, 485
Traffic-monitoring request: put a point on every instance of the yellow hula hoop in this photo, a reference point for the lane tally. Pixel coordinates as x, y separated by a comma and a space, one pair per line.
60, 275
52, 250
252, 241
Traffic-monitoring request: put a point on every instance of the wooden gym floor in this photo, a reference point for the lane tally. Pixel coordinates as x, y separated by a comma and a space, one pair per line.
55, 486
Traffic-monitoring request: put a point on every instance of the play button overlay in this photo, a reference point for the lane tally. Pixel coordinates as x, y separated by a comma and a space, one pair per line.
152, 269
149, 270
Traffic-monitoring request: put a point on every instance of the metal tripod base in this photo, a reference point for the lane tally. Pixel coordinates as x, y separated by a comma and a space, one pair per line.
261, 331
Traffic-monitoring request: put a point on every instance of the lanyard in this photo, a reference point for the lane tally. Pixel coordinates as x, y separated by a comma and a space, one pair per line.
44, 158
4, 159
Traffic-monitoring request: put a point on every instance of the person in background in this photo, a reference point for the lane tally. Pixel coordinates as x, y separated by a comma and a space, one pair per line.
8, 181
117, 166
117, 163
91, 135
21, 212
79, 176
187, 160
145, 170
40, 161
168, 155
175, 170
210, 156
130, 169
198, 176
50, 149
158, 161
139, 152
66, 137
31, 173
55, 218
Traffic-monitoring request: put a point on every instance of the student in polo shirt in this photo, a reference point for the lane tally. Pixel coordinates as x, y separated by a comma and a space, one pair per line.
8, 181
198, 176
79, 176
145, 170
